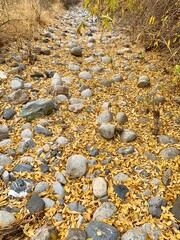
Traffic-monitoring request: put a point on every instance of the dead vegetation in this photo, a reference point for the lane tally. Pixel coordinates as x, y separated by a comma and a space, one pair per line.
23, 18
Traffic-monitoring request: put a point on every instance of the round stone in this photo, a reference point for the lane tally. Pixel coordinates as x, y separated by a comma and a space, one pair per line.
99, 185
121, 118
107, 130
85, 75
87, 93
76, 166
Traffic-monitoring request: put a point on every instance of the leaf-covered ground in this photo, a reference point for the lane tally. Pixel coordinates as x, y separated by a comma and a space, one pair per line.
82, 130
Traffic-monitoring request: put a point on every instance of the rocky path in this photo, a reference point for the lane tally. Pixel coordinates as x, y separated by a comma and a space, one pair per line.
89, 136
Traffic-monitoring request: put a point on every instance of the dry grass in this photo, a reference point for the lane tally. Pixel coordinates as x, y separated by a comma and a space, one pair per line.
162, 32
23, 18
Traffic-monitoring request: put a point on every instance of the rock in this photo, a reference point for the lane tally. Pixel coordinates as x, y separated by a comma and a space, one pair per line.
166, 176
106, 210
134, 234
42, 130
49, 73
56, 80
45, 52
76, 166
101, 231
107, 130
23, 167
92, 151
37, 50
120, 177
176, 208
22, 147
45, 233
151, 230
106, 105
9, 113
37, 108
155, 204
164, 139
126, 150
4, 132
26, 133
104, 117
6, 218
41, 187
106, 59
128, 135
17, 83
75, 101
35, 204
97, 69
121, 118
150, 156
58, 189
143, 82
48, 202
61, 98
15, 70
73, 67
58, 217
87, 93
62, 140
76, 107
85, 75
3, 75
121, 190
158, 99
117, 78
19, 96
5, 176
20, 187
60, 177
169, 152
4, 160
76, 234
99, 186
106, 83
76, 51
44, 168
5, 142
75, 206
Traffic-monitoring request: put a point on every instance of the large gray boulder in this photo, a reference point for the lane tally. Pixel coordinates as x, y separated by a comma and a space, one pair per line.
37, 108
101, 231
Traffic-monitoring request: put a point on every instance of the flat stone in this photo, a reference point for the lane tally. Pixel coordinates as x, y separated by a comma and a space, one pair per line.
49, 203
99, 185
75, 206
104, 117
6, 142
169, 153
74, 67
155, 204
37, 108
6, 218
35, 204
97, 69
62, 140
76, 166
164, 139
176, 208
4, 132
9, 113
126, 150
134, 234
128, 135
76, 234
3, 75
87, 93
60, 177
120, 177
121, 190
76, 107
23, 167
41, 187
117, 78
42, 130
106, 210
85, 75
150, 156
107, 130
58, 189
26, 133
19, 96
101, 231
45, 233
4, 160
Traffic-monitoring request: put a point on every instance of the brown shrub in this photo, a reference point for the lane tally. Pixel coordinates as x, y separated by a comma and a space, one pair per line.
23, 18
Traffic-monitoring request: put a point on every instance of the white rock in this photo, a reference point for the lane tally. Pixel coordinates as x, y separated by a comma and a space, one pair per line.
99, 185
